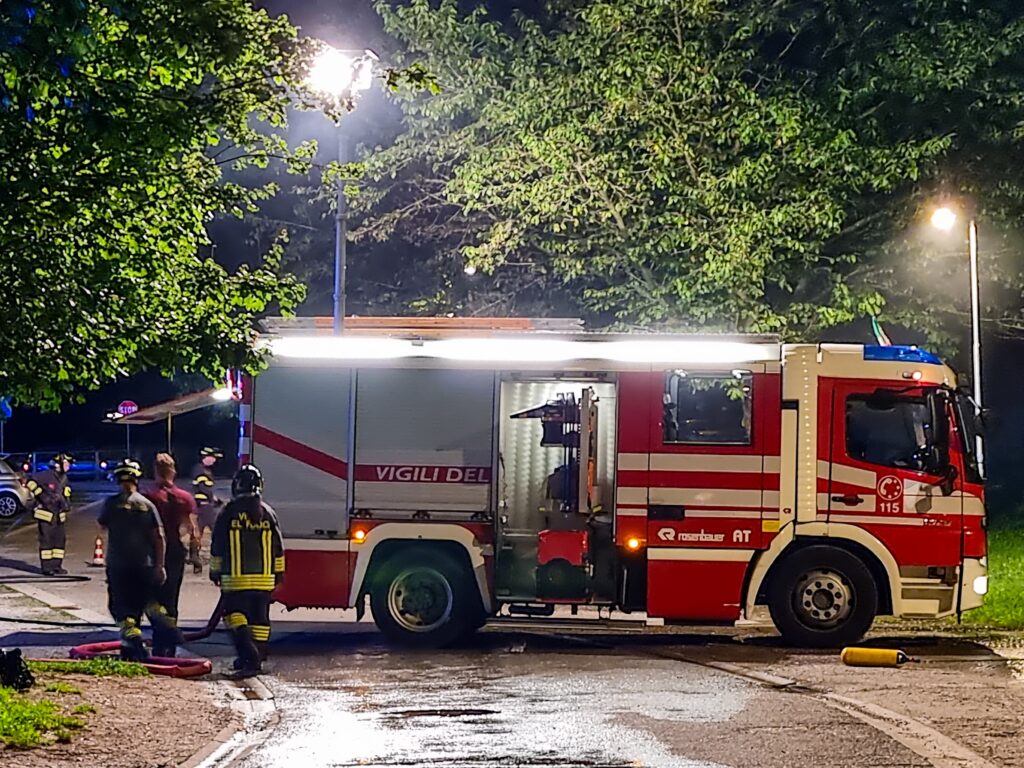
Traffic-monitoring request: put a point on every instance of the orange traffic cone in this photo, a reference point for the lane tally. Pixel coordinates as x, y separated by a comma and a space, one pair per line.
98, 558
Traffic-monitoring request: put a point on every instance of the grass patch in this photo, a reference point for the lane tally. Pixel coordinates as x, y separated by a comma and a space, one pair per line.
1003, 607
83, 709
61, 687
25, 724
96, 667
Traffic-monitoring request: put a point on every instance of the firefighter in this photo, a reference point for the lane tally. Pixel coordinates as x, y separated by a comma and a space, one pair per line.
135, 564
207, 503
53, 502
247, 562
177, 510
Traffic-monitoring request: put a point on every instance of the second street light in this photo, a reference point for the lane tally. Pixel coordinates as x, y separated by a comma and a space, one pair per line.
342, 76
945, 218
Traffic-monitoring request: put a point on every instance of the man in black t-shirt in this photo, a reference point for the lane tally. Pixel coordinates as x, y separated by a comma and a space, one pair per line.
135, 563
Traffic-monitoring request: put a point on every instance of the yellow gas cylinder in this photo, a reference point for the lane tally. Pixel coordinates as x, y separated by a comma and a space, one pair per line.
873, 657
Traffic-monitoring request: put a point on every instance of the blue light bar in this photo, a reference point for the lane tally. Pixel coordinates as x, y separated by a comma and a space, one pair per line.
900, 354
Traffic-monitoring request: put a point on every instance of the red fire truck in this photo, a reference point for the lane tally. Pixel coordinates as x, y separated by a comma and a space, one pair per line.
450, 471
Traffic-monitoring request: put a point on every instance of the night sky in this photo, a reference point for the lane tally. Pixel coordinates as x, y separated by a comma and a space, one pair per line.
354, 24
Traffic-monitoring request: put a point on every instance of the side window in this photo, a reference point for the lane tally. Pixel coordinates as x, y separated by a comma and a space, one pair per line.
891, 433
707, 408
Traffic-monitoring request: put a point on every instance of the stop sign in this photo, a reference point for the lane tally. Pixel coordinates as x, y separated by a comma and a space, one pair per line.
127, 407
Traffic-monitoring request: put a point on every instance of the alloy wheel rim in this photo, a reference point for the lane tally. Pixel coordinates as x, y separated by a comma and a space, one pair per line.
823, 598
420, 599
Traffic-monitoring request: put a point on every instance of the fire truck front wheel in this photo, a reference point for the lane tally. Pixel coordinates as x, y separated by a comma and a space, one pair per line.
823, 597
424, 599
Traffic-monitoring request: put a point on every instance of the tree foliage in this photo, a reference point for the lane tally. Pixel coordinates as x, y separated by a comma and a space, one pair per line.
726, 164
118, 119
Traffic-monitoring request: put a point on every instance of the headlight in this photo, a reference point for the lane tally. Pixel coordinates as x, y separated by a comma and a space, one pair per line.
980, 585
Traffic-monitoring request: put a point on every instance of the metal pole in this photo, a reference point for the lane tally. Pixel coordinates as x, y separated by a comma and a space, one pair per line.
2, 422
972, 239
169, 428
340, 243
128, 441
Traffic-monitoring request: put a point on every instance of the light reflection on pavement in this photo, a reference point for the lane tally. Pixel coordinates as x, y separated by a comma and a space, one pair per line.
485, 708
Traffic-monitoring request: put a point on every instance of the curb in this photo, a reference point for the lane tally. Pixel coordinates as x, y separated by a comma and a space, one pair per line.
57, 603
918, 737
251, 701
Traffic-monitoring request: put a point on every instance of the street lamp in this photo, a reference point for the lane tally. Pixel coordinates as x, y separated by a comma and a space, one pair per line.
341, 75
944, 218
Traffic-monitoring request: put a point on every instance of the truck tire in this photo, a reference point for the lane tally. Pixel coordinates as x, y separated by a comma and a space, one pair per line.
424, 598
10, 505
823, 597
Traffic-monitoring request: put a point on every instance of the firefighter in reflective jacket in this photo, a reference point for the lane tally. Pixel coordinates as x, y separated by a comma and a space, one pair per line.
207, 503
247, 562
53, 502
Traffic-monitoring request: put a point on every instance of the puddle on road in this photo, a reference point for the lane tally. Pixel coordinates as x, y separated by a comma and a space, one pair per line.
490, 710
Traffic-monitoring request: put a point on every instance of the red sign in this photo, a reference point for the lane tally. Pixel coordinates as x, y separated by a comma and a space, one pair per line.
890, 494
127, 407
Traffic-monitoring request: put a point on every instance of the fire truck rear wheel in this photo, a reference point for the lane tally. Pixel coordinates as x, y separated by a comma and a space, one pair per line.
823, 597
424, 599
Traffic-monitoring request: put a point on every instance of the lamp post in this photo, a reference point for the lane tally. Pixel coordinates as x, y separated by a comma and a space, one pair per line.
944, 219
341, 75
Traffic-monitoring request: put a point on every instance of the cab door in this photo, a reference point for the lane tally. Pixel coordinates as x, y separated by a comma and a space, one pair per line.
711, 433
882, 470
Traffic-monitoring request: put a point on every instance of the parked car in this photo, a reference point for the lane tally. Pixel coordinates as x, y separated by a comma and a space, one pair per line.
84, 467
14, 496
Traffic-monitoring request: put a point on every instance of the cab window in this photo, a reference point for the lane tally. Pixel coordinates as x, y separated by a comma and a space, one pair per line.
707, 408
893, 433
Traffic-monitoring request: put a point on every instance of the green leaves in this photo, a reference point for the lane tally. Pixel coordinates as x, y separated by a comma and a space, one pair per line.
115, 122
716, 165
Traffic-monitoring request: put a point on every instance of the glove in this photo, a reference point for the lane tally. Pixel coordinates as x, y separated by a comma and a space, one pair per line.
215, 578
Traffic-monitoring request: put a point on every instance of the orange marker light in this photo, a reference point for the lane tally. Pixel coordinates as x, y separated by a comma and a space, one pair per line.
358, 535
633, 543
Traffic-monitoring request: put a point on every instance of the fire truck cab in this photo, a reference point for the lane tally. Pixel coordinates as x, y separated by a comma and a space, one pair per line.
449, 471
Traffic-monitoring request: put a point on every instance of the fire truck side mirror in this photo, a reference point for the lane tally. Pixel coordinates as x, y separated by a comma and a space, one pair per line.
948, 481
982, 420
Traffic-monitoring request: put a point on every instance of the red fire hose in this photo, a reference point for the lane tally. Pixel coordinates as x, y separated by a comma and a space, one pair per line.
158, 665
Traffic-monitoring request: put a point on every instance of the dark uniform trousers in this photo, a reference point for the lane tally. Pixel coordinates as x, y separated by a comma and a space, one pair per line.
247, 615
168, 593
52, 540
131, 594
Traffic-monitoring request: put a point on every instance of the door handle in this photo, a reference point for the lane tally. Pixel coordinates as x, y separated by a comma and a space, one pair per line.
666, 512
850, 499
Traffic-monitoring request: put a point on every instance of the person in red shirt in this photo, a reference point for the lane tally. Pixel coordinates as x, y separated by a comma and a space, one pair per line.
177, 511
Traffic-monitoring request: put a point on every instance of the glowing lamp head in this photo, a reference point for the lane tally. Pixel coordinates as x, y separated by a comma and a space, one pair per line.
944, 218
632, 543
359, 535
339, 73
222, 395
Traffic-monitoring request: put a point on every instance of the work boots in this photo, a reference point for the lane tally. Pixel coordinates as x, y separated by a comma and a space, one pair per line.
248, 662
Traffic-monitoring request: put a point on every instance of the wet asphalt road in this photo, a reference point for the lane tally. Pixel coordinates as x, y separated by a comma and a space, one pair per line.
552, 703
487, 706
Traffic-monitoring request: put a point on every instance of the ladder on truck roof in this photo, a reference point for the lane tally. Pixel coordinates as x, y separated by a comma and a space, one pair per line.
421, 326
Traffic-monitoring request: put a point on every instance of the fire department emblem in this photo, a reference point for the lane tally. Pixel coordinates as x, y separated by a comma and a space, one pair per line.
890, 488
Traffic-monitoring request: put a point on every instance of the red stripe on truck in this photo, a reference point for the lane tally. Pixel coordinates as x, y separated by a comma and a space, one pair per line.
299, 451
